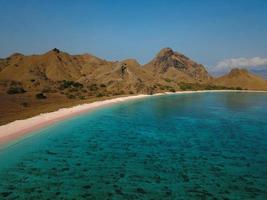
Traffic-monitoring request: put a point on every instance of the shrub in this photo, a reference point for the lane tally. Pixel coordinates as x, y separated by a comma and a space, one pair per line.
161, 87
15, 90
73, 90
77, 85
171, 89
102, 85
167, 87
150, 92
168, 80
211, 87
40, 96
121, 92
56, 50
46, 89
93, 87
99, 95
70, 96
24, 104
69, 84
186, 86
238, 88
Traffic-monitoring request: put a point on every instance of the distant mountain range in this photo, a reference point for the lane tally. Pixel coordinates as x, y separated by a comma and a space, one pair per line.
168, 71
260, 71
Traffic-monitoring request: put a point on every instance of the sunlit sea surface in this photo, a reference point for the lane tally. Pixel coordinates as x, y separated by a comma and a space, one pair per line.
182, 146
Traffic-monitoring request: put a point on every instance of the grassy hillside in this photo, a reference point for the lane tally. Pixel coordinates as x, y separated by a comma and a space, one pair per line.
33, 84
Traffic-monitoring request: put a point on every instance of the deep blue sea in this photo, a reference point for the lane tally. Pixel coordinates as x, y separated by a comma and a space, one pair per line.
181, 146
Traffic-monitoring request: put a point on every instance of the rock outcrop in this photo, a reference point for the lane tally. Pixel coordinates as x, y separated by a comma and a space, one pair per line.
176, 66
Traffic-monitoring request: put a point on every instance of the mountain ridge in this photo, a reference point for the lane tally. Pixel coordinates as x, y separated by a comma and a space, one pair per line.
32, 84
166, 70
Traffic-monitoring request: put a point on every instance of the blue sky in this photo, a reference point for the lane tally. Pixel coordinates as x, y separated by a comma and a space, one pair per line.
208, 31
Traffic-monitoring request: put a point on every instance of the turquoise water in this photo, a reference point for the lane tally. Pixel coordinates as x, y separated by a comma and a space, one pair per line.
189, 146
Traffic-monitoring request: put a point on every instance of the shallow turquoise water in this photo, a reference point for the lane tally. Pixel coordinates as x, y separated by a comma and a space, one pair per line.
189, 146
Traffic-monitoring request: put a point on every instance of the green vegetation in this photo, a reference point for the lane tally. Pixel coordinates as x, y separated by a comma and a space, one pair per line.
56, 50
69, 84
73, 89
16, 90
40, 96
155, 86
82, 97
168, 80
197, 86
162, 87
93, 87
121, 92
150, 90
24, 104
171, 89
167, 87
99, 95
70, 96
186, 86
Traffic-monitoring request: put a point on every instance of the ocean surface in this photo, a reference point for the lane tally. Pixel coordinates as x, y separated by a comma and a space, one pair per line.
181, 146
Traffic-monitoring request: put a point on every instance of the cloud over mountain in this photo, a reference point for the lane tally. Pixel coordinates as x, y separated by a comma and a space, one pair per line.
226, 65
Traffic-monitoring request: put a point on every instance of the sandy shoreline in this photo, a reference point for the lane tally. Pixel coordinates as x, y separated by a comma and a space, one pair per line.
19, 128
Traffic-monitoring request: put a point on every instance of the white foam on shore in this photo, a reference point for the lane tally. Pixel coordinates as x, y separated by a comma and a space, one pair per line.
19, 128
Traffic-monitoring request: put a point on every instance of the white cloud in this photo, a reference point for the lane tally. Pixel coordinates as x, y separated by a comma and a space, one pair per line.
226, 65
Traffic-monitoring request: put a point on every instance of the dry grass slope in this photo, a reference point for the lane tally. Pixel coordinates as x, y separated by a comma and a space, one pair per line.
33, 84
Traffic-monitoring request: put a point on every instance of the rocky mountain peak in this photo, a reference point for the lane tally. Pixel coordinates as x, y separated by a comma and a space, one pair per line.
165, 52
173, 64
56, 50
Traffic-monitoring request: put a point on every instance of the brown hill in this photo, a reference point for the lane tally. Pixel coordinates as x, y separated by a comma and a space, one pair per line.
53, 65
243, 79
123, 77
165, 72
175, 66
39, 72
33, 84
